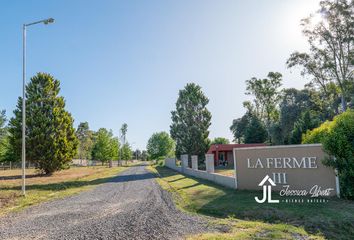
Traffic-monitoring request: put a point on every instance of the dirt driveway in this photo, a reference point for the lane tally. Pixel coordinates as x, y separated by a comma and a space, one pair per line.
131, 206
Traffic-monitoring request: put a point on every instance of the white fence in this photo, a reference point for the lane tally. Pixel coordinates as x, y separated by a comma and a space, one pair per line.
209, 174
84, 163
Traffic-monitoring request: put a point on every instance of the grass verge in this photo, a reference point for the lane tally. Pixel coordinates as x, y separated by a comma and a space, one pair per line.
41, 188
250, 220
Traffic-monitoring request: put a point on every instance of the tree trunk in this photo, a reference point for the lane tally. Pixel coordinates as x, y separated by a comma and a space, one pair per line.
344, 103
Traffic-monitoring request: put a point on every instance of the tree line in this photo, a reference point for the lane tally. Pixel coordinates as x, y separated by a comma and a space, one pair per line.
51, 140
282, 116
321, 112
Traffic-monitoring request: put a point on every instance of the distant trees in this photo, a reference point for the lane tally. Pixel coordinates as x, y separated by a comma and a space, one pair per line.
266, 97
144, 155
220, 140
255, 131
105, 147
160, 145
330, 59
85, 137
290, 113
239, 126
191, 121
51, 142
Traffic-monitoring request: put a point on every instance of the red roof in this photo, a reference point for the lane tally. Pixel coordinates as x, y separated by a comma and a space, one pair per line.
230, 147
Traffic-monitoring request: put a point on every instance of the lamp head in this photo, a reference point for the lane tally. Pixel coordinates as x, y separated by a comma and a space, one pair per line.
49, 20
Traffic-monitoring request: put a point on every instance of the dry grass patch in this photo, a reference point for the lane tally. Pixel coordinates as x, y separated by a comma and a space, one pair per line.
42, 188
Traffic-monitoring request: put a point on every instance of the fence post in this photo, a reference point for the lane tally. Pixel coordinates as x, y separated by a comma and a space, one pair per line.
194, 162
184, 160
209, 163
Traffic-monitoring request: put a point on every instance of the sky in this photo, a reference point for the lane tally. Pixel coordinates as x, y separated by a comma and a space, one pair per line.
125, 61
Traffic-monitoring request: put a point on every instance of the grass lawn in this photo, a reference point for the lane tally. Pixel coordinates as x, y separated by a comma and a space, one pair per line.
248, 219
226, 172
40, 188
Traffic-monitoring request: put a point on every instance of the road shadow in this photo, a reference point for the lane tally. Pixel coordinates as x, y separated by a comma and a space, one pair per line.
14, 177
122, 177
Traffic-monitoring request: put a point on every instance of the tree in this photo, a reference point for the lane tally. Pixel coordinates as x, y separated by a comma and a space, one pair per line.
50, 136
85, 137
106, 146
127, 153
191, 121
144, 155
220, 140
331, 55
293, 103
255, 131
306, 122
266, 97
238, 127
337, 139
137, 154
160, 145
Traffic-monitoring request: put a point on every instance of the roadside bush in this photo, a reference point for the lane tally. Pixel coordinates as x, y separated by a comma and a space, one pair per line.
316, 135
339, 142
337, 138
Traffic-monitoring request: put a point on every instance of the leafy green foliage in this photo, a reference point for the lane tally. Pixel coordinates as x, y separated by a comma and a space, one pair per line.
127, 153
144, 155
266, 96
306, 122
255, 131
220, 140
337, 138
85, 137
191, 121
331, 48
106, 146
318, 134
160, 145
339, 142
238, 127
51, 142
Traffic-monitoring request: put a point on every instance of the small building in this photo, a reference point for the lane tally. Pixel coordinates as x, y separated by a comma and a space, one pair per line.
223, 153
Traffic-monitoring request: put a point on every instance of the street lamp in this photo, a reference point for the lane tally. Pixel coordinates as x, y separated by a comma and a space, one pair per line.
45, 21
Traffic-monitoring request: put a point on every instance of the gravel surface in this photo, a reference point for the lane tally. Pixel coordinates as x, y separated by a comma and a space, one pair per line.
131, 206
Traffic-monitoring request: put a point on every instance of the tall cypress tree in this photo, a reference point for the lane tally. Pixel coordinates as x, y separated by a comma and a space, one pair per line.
51, 142
191, 121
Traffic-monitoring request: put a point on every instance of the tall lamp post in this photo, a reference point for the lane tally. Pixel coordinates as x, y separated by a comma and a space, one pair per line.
45, 21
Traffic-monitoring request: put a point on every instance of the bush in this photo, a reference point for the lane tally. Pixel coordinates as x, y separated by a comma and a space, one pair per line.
316, 135
337, 138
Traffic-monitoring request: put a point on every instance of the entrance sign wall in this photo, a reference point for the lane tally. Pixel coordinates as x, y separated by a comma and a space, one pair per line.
298, 167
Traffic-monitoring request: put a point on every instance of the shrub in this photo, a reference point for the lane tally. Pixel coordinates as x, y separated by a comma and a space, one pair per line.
337, 138
316, 135
339, 142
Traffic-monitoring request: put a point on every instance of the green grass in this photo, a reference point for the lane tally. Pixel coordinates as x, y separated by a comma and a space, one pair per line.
44, 188
333, 220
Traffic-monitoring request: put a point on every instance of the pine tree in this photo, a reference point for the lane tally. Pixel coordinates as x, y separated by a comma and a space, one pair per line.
50, 136
191, 121
255, 131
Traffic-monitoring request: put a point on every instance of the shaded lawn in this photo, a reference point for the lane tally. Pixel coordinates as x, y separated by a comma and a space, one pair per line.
40, 188
334, 219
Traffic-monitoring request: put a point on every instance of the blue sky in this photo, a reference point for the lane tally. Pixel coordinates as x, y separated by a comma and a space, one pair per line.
124, 61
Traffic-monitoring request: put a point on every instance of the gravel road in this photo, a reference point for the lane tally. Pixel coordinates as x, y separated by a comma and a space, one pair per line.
131, 206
